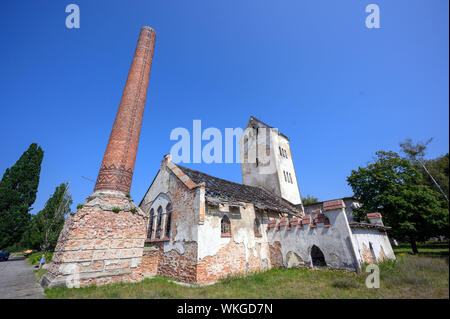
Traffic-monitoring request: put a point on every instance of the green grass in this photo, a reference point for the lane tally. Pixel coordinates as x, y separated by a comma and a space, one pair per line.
38, 273
431, 249
407, 277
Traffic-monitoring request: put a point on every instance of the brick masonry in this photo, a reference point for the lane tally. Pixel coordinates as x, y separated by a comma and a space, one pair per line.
116, 170
101, 242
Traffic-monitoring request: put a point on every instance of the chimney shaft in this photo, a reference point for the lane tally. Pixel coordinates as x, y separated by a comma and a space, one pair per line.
116, 170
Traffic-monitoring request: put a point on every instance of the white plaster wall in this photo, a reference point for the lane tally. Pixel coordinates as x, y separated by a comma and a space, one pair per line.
242, 230
258, 175
269, 177
378, 239
289, 191
335, 242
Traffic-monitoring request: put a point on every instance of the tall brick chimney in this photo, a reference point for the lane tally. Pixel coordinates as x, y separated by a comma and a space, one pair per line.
116, 170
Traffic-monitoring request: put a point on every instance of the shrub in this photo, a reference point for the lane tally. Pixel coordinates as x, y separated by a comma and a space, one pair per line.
36, 257
79, 206
127, 195
133, 210
116, 209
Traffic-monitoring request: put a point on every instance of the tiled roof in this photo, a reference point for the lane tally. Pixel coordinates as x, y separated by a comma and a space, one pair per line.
229, 191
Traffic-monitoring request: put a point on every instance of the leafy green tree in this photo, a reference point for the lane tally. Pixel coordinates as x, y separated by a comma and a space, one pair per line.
309, 200
46, 226
18, 189
391, 186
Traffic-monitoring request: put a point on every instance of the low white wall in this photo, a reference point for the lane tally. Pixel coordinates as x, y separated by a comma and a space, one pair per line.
335, 242
365, 238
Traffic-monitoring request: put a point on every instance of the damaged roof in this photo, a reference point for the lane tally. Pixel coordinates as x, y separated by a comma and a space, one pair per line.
234, 192
369, 226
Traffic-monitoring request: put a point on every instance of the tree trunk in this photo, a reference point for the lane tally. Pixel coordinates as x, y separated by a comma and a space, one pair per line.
414, 247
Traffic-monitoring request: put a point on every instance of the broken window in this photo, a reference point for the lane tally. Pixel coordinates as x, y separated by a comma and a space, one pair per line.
225, 227
168, 219
257, 227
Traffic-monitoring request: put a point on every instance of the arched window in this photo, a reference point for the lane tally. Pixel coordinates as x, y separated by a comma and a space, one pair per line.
257, 227
225, 227
168, 219
159, 227
150, 225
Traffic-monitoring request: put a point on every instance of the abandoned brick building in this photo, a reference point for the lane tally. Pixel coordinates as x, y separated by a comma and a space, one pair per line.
202, 228
197, 228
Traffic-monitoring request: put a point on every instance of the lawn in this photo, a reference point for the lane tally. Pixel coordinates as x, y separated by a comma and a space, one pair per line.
409, 276
431, 249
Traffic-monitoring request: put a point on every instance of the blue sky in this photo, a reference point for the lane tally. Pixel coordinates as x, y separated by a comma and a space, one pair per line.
340, 91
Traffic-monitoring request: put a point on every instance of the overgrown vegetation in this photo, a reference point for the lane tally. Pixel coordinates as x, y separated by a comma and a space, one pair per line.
38, 273
309, 199
34, 258
411, 276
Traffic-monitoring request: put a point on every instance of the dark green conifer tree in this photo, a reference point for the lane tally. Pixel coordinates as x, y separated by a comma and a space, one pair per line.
18, 189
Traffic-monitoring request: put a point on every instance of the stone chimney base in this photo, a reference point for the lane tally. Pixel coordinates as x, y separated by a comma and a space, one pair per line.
101, 243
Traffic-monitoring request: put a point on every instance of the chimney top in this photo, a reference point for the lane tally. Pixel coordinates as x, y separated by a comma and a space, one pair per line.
146, 27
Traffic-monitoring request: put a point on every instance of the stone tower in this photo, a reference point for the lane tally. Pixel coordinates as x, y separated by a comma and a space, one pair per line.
102, 242
266, 161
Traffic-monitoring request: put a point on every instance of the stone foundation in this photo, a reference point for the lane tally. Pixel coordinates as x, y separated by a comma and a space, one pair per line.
101, 243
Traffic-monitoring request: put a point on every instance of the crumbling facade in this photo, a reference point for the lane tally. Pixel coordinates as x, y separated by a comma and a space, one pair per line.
203, 228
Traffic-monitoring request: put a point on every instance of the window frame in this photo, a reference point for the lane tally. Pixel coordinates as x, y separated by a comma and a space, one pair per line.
228, 222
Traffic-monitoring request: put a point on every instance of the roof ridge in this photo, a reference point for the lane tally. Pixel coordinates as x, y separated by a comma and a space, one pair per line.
266, 192
193, 170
